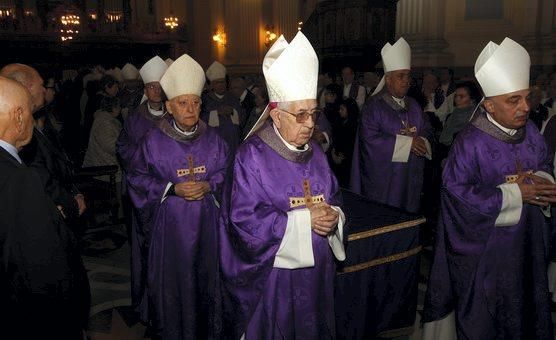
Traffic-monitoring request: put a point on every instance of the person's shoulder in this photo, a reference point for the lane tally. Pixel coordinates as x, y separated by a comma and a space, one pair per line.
252, 147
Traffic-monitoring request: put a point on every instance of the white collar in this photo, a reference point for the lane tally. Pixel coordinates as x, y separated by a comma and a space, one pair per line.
154, 112
400, 101
243, 95
185, 133
288, 145
219, 96
510, 132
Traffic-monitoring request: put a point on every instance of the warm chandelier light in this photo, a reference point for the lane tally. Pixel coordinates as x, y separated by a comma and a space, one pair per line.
70, 26
6, 12
299, 25
113, 17
171, 22
220, 37
270, 36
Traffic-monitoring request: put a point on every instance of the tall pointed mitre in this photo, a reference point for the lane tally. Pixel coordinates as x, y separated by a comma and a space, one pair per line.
153, 70
502, 69
184, 76
169, 61
394, 57
216, 71
130, 72
291, 73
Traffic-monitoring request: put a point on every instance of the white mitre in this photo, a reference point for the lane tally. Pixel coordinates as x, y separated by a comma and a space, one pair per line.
394, 57
502, 69
291, 73
130, 72
184, 76
169, 61
216, 71
153, 70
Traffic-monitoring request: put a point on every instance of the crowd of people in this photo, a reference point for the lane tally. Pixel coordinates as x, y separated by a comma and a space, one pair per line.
233, 183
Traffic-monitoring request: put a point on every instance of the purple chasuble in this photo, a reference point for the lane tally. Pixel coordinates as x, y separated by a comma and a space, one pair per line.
136, 127
266, 302
495, 277
182, 261
226, 128
373, 174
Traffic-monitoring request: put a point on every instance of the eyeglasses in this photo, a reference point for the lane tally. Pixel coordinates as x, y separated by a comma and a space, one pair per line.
303, 115
153, 87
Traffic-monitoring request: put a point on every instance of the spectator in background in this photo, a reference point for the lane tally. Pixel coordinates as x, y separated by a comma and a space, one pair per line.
352, 89
467, 96
539, 112
343, 133
261, 101
106, 128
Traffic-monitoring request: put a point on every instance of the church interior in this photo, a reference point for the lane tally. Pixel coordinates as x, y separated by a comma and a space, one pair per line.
66, 39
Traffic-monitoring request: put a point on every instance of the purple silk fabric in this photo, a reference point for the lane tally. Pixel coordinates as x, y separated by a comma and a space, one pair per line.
136, 127
226, 129
266, 302
373, 173
494, 277
182, 260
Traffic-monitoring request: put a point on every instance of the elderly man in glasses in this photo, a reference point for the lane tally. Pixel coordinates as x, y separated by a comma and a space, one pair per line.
284, 226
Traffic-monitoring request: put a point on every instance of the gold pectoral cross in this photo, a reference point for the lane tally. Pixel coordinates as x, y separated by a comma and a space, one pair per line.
408, 131
191, 170
527, 176
308, 199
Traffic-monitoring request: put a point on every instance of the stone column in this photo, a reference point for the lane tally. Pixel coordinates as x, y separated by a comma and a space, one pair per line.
421, 23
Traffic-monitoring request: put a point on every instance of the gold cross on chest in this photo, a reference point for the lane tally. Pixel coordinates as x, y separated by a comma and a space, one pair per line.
191, 170
525, 175
308, 199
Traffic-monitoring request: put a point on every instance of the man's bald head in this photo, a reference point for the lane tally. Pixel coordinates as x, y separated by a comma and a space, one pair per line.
16, 119
29, 78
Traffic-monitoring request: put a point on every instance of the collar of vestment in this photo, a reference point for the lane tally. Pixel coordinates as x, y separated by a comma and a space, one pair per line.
388, 99
154, 112
167, 127
146, 112
510, 132
217, 97
481, 122
273, 140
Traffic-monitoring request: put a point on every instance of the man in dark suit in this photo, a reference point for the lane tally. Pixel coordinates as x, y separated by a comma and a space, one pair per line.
238, 88
42, 155
44, 291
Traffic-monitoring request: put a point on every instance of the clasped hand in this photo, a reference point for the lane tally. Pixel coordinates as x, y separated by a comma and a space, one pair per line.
192, 191
418, 146
324, 219
537, 190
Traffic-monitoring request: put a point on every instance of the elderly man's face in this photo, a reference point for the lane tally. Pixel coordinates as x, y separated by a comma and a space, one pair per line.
291, 129
509, 110
185, 109
153, 91
219, 86
397, 82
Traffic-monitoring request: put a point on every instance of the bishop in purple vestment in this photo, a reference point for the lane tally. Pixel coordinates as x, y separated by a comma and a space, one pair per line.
283, 227
391, 146
493, 237
179, 175
136, 126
